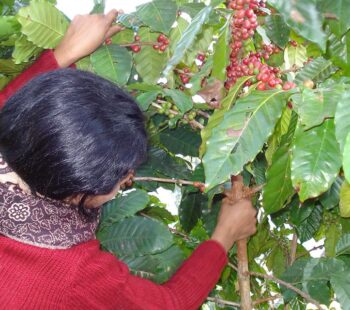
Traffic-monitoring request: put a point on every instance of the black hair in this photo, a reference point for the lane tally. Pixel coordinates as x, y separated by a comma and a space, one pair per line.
71, 132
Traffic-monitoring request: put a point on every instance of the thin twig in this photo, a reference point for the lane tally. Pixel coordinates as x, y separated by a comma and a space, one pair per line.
223, 302
306, 296
330, 16
202, 113
266, 299
163, 180
179, 233
272, 278
138, 43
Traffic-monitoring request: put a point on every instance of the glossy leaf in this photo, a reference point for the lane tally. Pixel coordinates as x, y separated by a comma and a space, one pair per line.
341, 284
330, 199
278, 186
156, 267
113, 63
343, 245
159, 15
340, 9
221, 53
8, 26
43, 24
277, 30
307, 228
123, 206
322, 100
317, 70
190, 210
149, 62
188, 38
144, 100
180, 141
344, 204
243, 131
342, 119
315, 161
346, 158
218, 115
24, 50
294, 56
180, 99
304, 18
339, 50
136, 236
177, 32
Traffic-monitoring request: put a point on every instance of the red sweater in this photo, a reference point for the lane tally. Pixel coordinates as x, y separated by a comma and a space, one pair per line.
84, 277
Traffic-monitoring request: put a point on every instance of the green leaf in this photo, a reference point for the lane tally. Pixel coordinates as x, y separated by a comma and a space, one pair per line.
192, 9
188, 38
322, 100
144, 100
177, 32
159, 15
180, 141
144, 87
99, 7
317, 70
315, 161
304, 18
126, 36
342, 119
8, 67
180, 99
243, 131
113, 63
343, 245
200, 45
24, 50
149, 62
340, 9
330, 199
278, 176
221, 53
295, 56
156, 267
190, 210
123, 206
8, 26
43, 24
308, 227
333, 234
129, 20
346, 158
344, 204
218, 115
277, 30
339, 50
135, 236
341, 284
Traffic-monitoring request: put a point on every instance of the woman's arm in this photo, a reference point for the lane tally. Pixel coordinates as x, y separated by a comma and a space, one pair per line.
84, 35
103, 282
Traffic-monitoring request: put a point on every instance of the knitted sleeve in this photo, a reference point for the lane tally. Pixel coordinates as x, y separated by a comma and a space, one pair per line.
46, 62
103, 282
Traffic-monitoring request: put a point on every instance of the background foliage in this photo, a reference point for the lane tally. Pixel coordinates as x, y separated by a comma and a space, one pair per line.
293, 140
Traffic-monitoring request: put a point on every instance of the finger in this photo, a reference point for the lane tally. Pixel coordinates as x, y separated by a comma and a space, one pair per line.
111, 16
113, 30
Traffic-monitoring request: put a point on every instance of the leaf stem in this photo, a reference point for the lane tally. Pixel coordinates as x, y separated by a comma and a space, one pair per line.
138, 43
163, 180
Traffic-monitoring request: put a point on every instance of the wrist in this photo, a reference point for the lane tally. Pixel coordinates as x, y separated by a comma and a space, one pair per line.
63, 58
223, 238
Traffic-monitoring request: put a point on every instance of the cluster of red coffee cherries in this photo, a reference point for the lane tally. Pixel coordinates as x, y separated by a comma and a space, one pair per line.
162, 44
243, 27
137, 47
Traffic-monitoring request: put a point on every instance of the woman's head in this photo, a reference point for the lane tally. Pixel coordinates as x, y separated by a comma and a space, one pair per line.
70, 133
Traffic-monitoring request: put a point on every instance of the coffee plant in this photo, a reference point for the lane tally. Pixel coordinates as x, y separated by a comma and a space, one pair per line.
254, 88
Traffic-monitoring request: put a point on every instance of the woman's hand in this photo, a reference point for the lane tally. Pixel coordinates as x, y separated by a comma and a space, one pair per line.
236, 221
84, 35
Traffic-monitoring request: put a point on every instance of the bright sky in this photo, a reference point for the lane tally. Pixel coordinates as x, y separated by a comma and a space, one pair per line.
74, 7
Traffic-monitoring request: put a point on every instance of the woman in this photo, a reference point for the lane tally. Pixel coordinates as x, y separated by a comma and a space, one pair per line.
69, 141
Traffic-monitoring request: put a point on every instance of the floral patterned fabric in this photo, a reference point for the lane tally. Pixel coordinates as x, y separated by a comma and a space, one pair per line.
41, 221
